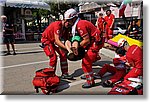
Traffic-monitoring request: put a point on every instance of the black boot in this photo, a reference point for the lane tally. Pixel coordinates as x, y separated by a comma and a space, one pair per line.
88, 85
66, 76
83, 77
96, 76
107, 83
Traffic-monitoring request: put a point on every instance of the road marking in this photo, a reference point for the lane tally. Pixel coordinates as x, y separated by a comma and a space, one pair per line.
18, 65
22, 52
28, 48
29, 51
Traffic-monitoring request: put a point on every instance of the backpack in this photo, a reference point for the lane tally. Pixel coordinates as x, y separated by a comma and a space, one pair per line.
46, 80
127, 87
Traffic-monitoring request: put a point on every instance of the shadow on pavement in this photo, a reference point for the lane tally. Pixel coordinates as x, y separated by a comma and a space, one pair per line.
64, 84
79, 72
104, 78
101, 63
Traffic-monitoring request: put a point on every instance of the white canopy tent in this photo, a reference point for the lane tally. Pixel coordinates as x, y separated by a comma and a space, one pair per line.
25, 4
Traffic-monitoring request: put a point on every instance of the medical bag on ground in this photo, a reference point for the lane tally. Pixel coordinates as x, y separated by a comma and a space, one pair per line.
46, 80
132, 86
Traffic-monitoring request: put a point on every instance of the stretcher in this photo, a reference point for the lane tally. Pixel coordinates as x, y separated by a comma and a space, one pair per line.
131, 41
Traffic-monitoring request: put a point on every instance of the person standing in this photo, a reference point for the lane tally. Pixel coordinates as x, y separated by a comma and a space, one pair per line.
100, 22
100, 25
91, 41
8, 31
51, 43
109, 24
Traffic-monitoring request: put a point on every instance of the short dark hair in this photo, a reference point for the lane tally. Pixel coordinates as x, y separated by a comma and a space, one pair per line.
120, 51
136, 20
109, 11
100, 14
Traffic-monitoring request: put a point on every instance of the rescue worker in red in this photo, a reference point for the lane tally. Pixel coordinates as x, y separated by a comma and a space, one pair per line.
91, 41
52, 42
100, 26
134, 56
109, 24
100, 22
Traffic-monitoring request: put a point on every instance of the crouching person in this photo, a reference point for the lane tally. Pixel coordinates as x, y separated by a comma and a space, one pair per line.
134, 56
51, 43
91, 39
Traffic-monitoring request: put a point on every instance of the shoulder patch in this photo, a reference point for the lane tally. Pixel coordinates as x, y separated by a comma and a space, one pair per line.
81, 32
58, 31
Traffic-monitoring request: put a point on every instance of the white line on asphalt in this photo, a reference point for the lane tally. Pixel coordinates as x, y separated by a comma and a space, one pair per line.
27, 48
29, 51
18, 65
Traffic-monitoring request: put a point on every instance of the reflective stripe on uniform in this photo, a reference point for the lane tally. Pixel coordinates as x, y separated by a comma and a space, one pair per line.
64, 67
134, 50
51, 66
90, 78
63, 62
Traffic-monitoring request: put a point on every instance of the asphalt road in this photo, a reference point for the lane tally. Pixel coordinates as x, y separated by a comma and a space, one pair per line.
19, 70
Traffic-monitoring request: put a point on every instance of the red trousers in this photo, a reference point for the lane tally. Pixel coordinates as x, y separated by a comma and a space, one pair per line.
50, 50
89, 58
117, 73
134, 73
108, 33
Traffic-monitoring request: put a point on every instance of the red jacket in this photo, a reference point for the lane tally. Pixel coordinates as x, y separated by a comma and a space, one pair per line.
100, 23
54, 28
109, 19
134, 56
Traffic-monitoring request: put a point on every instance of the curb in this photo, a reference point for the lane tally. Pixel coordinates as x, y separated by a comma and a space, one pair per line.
107, 52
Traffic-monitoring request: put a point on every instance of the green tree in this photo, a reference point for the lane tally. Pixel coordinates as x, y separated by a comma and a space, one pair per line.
57, 8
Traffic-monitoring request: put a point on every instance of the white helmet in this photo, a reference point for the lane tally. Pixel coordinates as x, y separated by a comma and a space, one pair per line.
100, 13
121, 42
3, 16
71, 13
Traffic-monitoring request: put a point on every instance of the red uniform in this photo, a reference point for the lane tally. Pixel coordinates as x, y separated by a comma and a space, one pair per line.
119, 71
50, 48
87, 29
134, 56
109, 21
100, 23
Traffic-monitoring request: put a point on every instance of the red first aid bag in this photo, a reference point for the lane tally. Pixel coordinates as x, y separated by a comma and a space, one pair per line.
46, 80
126, 88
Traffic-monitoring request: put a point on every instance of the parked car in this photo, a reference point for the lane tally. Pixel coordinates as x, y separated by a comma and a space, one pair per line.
118, 30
